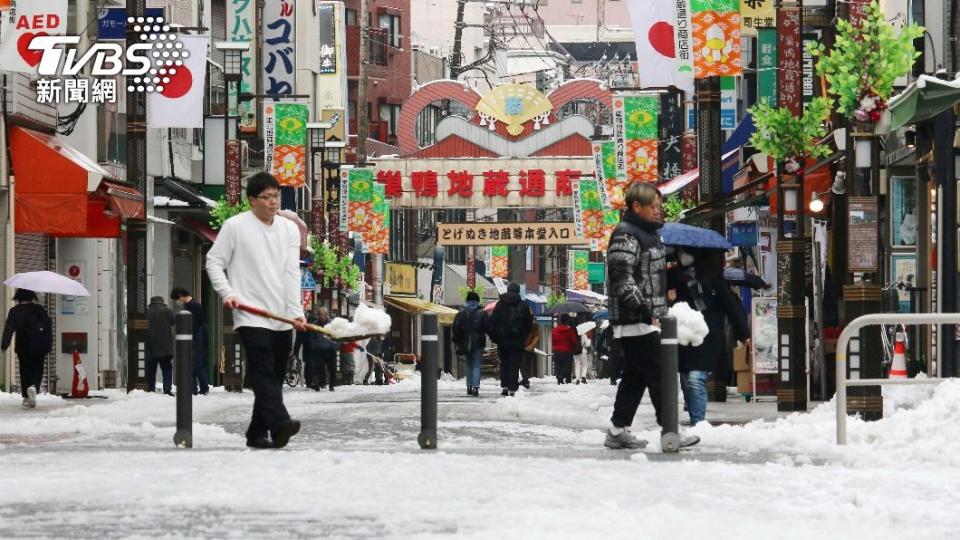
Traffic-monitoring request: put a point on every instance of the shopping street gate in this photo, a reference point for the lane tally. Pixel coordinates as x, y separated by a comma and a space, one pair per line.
508, 234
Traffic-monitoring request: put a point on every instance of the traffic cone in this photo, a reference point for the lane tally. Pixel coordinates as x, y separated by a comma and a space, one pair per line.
899, 368
80, 386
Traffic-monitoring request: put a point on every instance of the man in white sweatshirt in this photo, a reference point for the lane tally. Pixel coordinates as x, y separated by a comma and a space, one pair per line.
255, 261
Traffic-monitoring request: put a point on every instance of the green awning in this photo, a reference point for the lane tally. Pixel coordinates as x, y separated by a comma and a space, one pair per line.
922, 100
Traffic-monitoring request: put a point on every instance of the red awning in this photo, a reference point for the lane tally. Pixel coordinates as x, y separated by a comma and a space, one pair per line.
61, 192
200, 228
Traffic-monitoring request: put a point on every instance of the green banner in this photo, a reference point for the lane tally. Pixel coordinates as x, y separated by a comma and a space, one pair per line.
640, 116
767, 66
596, 272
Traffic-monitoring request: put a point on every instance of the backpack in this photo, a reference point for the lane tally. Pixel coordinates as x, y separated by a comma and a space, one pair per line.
36, 336
464, 326
578, 346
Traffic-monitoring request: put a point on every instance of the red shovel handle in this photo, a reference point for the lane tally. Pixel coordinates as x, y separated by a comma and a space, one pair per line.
268, 315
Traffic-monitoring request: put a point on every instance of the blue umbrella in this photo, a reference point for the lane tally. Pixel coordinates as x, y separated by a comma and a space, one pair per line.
680, 234
739, 277
601, 315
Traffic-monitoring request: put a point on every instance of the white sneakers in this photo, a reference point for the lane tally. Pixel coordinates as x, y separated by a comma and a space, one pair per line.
30, 401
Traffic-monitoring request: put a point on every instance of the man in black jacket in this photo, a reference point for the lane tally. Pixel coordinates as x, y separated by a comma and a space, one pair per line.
508, 327
469, 339
160, 321
637, 274
189, 303
30, 322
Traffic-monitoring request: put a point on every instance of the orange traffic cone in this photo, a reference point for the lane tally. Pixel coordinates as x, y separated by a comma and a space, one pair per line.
80, 386
899, 368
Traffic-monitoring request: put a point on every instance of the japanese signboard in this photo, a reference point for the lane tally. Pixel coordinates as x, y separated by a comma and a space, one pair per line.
809, 80
588, 211
241, 26
328, 38
767, 66
112, 22
508, 234
356, 196
640, 114
605, 167
669, 152
402, 278
279, 41
789, 56
377, 236
285, 142
232, 174
578, 268
20, 23
728, 103
336, 136
500, 262
863, 234
716, 38
332, 59
755, 14
482, 183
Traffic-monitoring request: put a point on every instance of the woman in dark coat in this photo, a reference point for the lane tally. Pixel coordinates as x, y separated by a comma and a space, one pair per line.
703, 287
29, 320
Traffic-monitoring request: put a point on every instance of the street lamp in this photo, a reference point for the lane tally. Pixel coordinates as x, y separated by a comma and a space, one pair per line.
232, 73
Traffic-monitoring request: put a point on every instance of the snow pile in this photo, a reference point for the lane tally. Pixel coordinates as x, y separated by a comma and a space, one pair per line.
691, 328
367, 321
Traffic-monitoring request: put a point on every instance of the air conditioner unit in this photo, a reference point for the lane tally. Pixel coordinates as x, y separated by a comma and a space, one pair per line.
21, 101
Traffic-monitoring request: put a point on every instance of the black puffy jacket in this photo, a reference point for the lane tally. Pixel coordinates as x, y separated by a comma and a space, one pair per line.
32, 325
636, 272
510, 323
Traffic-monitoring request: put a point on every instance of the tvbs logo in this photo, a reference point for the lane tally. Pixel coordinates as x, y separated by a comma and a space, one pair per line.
158, 48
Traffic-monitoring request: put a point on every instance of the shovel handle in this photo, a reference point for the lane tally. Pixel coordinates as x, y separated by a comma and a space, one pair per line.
267, 314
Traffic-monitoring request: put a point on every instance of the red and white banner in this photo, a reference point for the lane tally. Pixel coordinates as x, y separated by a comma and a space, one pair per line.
180, 104
22, 21
664, 37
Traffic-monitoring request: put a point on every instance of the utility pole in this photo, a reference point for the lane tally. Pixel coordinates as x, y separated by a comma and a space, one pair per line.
456, 57
363, 120
136, 310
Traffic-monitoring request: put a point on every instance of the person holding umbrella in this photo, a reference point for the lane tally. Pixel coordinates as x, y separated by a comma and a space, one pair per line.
261, 256
30, 322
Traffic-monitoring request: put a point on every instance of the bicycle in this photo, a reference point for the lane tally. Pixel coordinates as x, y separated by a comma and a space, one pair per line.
294, 375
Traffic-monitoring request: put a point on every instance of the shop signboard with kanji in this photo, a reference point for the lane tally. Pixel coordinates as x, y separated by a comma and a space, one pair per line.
279, 58
789, 58
508, 233
482, 183
636, 136
241, 27
767, 66
285, 142
757, 14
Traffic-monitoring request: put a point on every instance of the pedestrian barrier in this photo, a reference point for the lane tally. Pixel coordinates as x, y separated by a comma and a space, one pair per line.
853, 329
669, 410
429, 347
183, 437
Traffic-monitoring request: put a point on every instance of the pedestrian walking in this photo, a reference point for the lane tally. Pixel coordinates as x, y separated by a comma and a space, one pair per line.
581, 360
563, 340
469, 339
637, 275
348, 364
508, 326
312, 365
255, 260
189, 303
707, 289
160, 321
374, 350
327, 349
33, 328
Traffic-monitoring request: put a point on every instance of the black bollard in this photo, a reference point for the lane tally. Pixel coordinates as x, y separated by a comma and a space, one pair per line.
429, 349
669, 435
183, 438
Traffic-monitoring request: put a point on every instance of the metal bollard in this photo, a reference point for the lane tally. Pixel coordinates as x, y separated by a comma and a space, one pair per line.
183, 438
669, 414
429, 348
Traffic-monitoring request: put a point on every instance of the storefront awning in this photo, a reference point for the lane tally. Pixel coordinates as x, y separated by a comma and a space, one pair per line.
922, 100
417, 306
200, 228
61, 192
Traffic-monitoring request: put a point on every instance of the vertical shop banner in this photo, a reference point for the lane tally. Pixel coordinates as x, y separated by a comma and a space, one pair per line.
716, 38
233, 172
767, 66
640, 131
499, 262
757, 14
23, 20
241, 27
377, 236
332, 78
669, 151
605, 167
620, 135
590, 212
357, 199
789, 56
809, 81
285, 142
728, 103
611, 217
578, 269
279, 41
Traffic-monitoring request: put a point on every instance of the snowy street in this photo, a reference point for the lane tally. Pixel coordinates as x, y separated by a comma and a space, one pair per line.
528, 467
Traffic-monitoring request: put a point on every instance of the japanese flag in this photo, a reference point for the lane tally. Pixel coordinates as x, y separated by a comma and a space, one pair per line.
22, 21
664, 37
180, 103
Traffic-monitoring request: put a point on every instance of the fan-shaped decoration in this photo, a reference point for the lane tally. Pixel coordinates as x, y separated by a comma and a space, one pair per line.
514, 105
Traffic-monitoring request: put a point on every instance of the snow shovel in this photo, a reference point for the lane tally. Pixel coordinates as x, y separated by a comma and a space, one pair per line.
310, 327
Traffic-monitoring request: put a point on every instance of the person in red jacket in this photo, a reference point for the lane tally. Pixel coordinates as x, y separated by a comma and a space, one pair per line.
564, 339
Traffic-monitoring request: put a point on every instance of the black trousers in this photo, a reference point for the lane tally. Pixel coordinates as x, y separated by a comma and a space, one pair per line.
510, 368
312, 370
563, 365
640, 363
266, 352
613, 360
31, 372
166, 367
328, 368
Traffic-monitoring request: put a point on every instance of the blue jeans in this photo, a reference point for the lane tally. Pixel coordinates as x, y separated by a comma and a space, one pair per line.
474, 361
694, 385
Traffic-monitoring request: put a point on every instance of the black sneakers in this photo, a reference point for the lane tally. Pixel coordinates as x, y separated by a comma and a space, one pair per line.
260, 443
284, 432
505, 392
